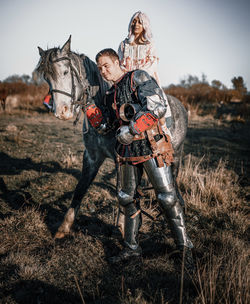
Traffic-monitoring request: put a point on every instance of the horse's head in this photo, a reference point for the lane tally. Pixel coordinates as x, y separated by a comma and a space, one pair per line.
63, 71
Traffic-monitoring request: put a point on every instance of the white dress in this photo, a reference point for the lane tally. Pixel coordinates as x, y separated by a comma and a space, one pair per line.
139, 56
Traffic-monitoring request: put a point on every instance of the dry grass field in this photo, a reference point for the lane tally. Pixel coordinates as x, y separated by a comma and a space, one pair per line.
40, 163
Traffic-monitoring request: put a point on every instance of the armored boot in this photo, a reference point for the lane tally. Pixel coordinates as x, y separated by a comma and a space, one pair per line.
175, 217
131, 228
183, 255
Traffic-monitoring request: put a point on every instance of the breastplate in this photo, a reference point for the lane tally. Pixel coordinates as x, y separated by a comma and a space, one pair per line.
125, 93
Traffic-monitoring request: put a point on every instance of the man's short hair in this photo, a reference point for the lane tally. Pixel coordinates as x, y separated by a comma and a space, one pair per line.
107, 52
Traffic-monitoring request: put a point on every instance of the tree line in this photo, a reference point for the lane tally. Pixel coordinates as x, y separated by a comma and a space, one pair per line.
191, 90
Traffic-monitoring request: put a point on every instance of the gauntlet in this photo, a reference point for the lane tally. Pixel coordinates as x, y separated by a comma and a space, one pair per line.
124, 136
94, 115
143, 122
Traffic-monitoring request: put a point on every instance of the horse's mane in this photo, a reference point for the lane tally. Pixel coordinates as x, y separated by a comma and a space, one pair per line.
45, 66
93, 76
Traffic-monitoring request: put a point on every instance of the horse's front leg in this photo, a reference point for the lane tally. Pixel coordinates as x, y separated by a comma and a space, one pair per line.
91, 165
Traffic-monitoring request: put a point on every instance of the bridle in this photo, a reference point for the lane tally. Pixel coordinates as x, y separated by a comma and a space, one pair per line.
73, 72
85, 97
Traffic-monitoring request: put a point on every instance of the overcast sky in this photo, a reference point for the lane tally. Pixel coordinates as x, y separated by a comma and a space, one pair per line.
191, 36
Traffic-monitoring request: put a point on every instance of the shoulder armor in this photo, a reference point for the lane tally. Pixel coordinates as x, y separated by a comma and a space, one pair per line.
141, 76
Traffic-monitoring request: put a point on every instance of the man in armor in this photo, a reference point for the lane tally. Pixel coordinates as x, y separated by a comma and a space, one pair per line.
135, 107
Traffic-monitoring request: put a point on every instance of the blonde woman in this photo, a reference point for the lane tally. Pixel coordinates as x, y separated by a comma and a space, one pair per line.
137, 51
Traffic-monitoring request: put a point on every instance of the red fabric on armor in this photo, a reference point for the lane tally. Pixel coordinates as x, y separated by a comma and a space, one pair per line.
94, 115
144, 122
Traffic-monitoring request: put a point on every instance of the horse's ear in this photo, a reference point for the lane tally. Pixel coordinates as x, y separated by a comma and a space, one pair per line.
41, 51
66, 47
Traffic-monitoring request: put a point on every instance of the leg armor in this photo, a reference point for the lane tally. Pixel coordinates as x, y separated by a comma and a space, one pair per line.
129, 176
163, 183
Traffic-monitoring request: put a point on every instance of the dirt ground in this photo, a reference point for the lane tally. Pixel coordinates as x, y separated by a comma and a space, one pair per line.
40, 163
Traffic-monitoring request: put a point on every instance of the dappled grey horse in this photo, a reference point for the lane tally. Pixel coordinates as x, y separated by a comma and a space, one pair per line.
74, 80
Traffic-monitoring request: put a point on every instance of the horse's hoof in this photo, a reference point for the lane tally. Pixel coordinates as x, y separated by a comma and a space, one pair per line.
60, 235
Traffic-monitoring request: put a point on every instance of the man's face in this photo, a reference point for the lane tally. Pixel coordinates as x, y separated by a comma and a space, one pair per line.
109, 68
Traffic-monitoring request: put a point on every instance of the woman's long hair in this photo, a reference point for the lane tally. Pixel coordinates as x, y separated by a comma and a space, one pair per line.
147, 34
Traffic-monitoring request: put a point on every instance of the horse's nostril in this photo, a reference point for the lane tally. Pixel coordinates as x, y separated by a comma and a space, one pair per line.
65, 109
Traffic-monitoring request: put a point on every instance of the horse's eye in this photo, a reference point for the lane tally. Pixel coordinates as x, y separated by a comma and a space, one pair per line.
65, 73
